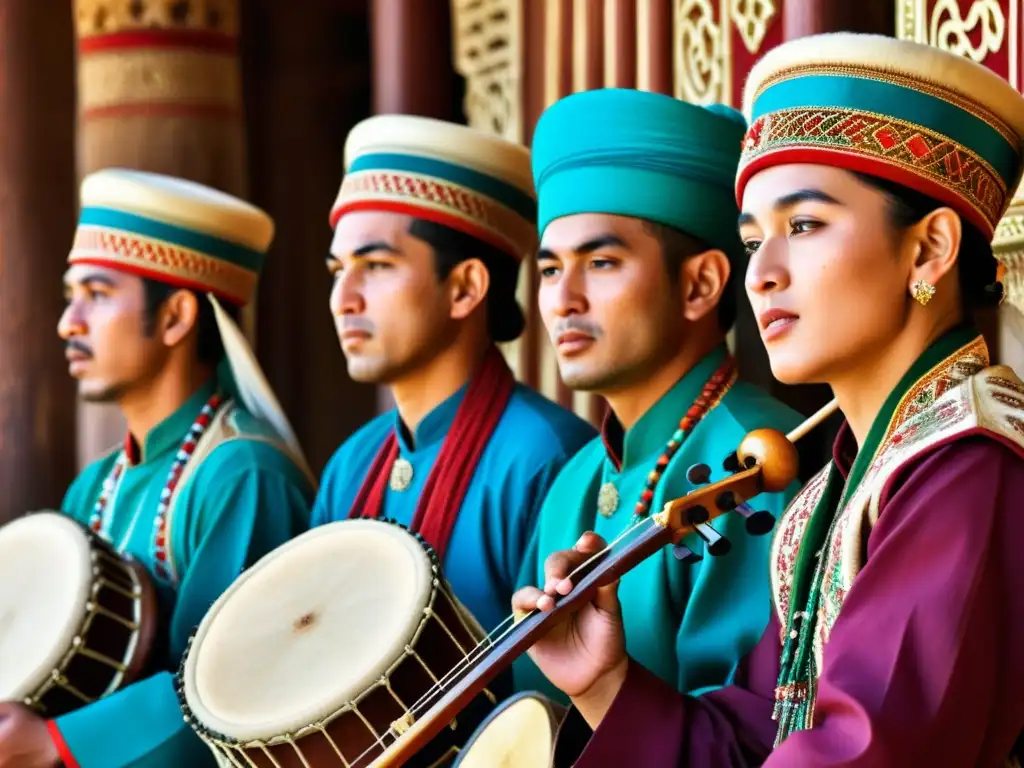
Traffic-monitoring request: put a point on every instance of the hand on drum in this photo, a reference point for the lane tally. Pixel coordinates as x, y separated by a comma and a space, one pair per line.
585, 655
24, 739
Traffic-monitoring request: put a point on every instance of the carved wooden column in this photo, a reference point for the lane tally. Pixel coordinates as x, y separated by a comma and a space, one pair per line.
307, 82
159, 89
1009, 249
412, 66
37, 219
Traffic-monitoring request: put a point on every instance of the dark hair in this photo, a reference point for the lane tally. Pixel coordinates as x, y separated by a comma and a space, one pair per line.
976, 264
505, 320
678, 246
209, 347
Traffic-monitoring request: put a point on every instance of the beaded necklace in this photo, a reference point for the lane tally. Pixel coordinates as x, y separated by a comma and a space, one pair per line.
714, 389
100, 520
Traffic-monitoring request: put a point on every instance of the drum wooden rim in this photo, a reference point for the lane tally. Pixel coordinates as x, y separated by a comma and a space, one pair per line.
148, 620
73, 536
554, 711
295, 723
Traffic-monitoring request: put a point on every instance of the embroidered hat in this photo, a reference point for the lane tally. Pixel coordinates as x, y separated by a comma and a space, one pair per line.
172, 230
189, 236
442, 172
640, 154
906, 112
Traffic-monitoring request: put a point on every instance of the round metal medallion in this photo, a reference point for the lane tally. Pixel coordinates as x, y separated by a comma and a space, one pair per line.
401, 475
608, 500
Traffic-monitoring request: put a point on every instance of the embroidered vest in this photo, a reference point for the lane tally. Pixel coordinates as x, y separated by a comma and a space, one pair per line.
954, 402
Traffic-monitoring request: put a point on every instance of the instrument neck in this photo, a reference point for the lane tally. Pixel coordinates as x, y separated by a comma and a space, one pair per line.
601, 570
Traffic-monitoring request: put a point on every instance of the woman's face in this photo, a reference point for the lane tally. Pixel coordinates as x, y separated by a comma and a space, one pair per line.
828, 275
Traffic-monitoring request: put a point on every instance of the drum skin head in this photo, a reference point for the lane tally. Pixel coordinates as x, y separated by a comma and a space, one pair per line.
307, 629
45, 582
519, 734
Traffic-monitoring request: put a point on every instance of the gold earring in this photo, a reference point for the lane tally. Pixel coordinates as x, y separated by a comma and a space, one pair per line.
922, 292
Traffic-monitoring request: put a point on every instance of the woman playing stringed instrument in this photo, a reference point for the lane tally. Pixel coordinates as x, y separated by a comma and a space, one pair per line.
873, 176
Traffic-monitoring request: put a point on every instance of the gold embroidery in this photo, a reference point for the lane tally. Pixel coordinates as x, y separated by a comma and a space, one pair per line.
916, 83
899, 143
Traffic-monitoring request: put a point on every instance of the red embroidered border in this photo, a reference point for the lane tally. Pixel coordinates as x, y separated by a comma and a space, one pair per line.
910, 154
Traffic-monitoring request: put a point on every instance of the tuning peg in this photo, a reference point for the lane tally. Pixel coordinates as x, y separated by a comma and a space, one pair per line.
697, 514
715, 543
758, 522
687, 555
731, 463
699, 474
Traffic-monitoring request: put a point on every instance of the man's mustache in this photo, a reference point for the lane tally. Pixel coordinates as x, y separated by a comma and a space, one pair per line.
356, 323
577, 324
77, 346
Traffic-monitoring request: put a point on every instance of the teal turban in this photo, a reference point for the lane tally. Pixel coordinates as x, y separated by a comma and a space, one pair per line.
640, 154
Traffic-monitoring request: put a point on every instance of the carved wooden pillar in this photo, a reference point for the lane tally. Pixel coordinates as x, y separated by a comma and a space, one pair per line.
159, 89
412, 69
37, 218
1006, 340
307, 82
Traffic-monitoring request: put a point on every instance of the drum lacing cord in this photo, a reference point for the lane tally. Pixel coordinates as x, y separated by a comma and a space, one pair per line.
493, 638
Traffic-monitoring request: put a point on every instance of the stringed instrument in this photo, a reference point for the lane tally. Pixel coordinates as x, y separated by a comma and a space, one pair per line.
765, 462
346, 646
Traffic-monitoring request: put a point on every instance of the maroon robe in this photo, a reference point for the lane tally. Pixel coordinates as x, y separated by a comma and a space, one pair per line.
924, 666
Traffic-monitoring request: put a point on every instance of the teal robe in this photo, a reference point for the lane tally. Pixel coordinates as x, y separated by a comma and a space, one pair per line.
689, 624
531, 443
245, 499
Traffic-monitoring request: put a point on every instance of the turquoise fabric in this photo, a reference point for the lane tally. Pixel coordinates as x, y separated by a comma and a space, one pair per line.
891, 99
245, 499
640, 154
212, 246
688, 624
531, 443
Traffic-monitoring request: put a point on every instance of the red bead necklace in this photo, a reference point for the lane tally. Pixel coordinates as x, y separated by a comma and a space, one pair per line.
100, 519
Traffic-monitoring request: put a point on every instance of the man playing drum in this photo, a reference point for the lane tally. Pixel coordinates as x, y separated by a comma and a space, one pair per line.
638, 262
210, 476
430, 225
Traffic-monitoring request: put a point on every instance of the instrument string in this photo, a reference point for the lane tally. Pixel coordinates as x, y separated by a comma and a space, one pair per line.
493, 638
503, 630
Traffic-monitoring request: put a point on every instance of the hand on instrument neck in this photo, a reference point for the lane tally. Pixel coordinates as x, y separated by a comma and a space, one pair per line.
585, 655
24, 739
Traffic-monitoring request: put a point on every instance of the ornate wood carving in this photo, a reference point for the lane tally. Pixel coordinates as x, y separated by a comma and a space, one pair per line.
989, 32
488, 53
37, 221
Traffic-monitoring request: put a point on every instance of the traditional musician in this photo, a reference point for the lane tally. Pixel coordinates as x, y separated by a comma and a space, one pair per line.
210, 476
873, 175
637, 290
431, 223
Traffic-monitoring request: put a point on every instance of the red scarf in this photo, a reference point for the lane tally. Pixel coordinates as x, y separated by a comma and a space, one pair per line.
438, 508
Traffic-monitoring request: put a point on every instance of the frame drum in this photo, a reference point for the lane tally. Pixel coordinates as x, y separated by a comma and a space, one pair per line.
77, 620
321, 653
520, 733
